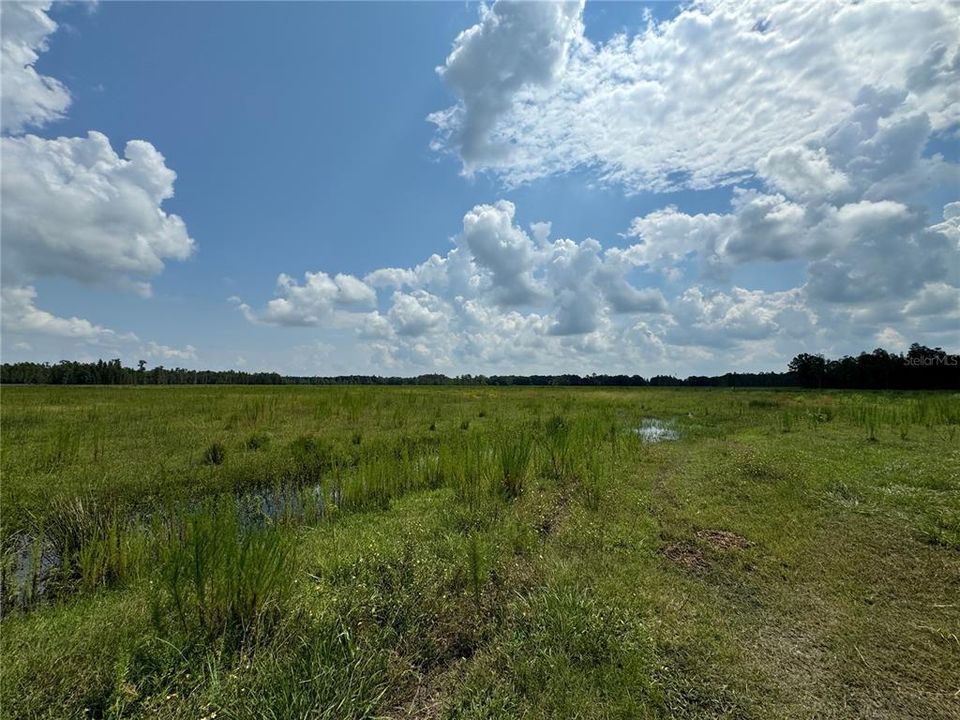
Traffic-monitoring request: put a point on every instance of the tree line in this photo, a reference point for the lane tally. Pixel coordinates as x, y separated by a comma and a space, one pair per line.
920, 368
112, 372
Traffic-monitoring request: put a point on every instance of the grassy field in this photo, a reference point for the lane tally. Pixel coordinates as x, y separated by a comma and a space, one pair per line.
432, 552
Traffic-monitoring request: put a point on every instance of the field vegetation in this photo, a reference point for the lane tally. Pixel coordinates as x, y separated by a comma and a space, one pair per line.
469, 552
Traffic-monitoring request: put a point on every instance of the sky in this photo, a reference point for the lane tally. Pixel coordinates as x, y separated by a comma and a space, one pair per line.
401, 188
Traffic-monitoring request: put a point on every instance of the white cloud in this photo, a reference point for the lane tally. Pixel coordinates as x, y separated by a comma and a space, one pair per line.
935, 299
697, 100
890, 339
73, 208
570, 288
514, 46
450, 311
850, 203
802, 173
22, 316
28, 98
312, 303
504, 250
871, 264
718, 319
889, 255
165, 352
417, 313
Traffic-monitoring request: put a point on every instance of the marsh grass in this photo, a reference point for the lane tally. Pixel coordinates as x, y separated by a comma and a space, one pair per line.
71, 522
477, 563
594, 474
63, 447
558, 448
215, 454
373, 483
514, 451
311, 457
257, 441
224, 580
512, 568
471, 469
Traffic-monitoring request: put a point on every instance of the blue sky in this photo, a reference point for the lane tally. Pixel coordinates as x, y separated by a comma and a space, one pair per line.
307, 138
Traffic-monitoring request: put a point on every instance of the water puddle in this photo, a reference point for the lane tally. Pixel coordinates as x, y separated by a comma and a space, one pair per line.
653, 430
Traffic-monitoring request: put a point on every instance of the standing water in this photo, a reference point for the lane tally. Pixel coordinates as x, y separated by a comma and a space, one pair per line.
652, 430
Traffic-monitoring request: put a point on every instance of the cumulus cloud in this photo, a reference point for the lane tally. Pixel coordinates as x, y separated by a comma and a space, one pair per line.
697, 100
718, 319
500, 296
870, 265
165, 352
934, 299
516, 45
28, 98
417, 313
72, 207
504, 250
22, 316
569, 287
802, 173
851, 203
312, 302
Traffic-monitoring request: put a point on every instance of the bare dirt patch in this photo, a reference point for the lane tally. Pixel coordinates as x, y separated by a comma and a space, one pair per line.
686, 556
723, 539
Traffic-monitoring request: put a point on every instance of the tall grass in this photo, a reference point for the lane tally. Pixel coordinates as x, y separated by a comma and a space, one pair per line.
477, 561
595, 471
224, 580
63, 447
558, 448
514, 450
471, 470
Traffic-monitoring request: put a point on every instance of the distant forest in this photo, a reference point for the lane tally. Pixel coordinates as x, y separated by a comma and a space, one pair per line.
920, 368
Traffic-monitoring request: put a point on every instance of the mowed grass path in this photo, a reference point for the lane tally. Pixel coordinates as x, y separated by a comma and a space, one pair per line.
486, 553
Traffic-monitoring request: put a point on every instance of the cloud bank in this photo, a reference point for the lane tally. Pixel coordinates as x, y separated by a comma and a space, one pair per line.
818, 118
694, 101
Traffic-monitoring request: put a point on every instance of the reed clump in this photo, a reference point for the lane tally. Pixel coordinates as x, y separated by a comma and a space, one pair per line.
224, 580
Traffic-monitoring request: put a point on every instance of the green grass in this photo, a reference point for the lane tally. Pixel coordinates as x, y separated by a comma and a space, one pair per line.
472, 553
